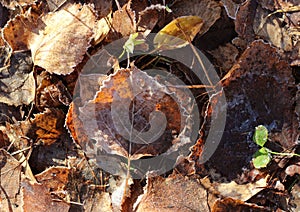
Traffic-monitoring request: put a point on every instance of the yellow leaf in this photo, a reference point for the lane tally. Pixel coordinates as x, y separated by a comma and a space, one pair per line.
178, 32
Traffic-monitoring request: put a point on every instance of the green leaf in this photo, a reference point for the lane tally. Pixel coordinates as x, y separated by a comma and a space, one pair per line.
132, 42
261, 158
261, 135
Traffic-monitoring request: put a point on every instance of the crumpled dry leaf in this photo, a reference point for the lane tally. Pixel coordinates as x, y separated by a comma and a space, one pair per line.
17, 84
101, 29
232, 7
58, 41
209, 11
175, 193
36, 197
51, 92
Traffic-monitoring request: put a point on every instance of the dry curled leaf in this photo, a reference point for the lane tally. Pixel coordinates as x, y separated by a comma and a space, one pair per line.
178, 33
51, 92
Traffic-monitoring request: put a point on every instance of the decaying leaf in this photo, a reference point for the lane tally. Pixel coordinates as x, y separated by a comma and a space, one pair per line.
17, 85
272, 29
54, 178
10, 173
46, 127
36, 197
255, 82
209, 11
51, 92
230, 204
178, 33
117, 92
124, 20
175, 193
101, 29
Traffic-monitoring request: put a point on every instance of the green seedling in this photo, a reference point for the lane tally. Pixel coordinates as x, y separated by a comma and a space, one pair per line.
129, 45
263, 156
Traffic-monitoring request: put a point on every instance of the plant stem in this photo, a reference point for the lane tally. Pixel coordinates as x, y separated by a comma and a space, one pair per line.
284, 153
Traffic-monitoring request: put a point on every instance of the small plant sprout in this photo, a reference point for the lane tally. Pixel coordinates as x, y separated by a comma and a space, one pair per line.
263, 156
129, 45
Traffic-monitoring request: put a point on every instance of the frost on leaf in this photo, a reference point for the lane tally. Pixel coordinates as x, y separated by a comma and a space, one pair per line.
255, 82
58, 41
130, 100
17, 84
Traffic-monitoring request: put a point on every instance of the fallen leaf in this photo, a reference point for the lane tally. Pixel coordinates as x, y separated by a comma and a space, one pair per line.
230, 204
209, 11
124, 20
58, 41
51, 92
101, 29
46, 127
54, 178
36, 197
178, 33
175, 193
13, 4
17, 84
10, 173
256, 81
64, 39
272, 29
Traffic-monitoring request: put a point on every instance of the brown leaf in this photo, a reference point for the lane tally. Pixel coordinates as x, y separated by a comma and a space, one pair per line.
255, 82
17, 85
13, 4
57, 40
64, 39
37, 198
19, 30
46, 127
54, 178
113, 142
176, 193
229, 204
124, 21
10, 171
51, 92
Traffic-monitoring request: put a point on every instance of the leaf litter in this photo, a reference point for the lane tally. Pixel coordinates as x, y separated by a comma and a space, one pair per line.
258, 83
